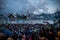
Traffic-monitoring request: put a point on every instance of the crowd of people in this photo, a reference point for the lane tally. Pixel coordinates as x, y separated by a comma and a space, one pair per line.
29, 32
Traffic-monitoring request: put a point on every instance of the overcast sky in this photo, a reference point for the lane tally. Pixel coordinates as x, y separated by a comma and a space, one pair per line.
34, 6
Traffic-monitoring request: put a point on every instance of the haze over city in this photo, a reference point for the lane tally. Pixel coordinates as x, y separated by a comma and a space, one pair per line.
33, 6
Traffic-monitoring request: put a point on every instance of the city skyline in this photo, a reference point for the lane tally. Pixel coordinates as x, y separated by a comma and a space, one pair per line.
33, 6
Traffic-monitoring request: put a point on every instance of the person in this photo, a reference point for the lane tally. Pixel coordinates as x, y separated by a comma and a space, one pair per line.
50, 36
33, 36
23, 37
56, 38
59, 33
14, 36
2, 36
9, 38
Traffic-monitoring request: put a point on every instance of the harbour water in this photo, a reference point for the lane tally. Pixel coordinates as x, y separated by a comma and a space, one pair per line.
29, 21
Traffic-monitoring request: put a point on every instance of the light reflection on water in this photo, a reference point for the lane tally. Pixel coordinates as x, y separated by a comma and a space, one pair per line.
29, 21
